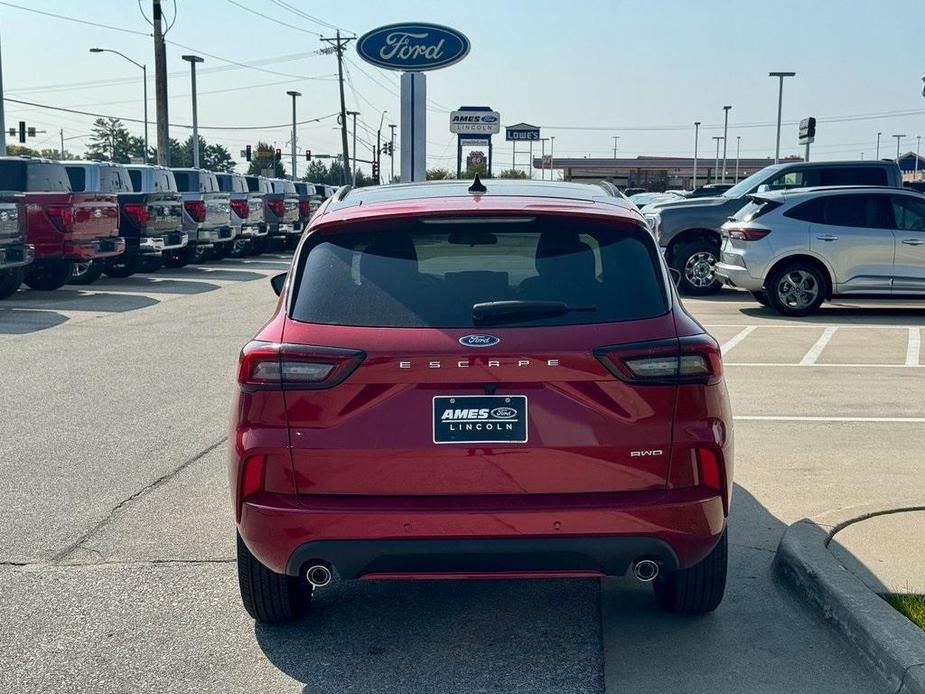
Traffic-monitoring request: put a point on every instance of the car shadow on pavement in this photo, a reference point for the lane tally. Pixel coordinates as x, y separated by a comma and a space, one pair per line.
156, 285
762, 638
79, 300
216, 273
278, 266
15, 321
829, 313
454, 636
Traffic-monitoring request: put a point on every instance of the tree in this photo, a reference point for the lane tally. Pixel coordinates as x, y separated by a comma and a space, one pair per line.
20, 151
316, 172
259, 163
439, 174
512, 173
111, 141
212, 157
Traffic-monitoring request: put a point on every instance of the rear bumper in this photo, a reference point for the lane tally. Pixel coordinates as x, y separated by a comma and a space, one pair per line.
97, 248
16, 255
210, 236
253, 231
591, 534
158, 244
737, 276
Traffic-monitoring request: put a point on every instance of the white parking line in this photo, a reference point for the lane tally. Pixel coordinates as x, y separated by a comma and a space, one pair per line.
785, 325
878, 420
913, 347
813, 354
825, 366
733, 341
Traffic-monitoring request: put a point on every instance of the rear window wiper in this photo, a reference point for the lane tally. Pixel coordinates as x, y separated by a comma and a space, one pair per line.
506, 311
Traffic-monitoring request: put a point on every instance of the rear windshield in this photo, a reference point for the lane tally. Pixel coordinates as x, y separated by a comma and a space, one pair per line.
34, 177
420, 274
135, 175
754, 209
225, 183
187, 181
77, 175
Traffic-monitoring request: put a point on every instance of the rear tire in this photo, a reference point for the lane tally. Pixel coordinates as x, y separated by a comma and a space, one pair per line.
201, 254
797, 289
121, 266
241, 248
258, 245
270, 597
291, 242
150, 263
761, 296
698, 589
10, 281
48, 275
84, 273
696, 261
180, 258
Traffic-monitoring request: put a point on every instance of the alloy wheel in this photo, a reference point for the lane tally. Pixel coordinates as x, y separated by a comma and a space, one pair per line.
798, 289
700, 268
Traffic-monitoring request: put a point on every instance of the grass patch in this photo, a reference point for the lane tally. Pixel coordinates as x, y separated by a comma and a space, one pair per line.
913, 606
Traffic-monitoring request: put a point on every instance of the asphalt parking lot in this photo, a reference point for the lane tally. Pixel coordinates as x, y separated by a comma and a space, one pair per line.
116, 534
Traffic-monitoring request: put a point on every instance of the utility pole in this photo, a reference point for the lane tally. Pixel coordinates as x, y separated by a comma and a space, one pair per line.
293, 94
552, 155
392, 127
717, 138
918, 144
192, 60
615, 138
61, 132
2, 121
780, 102
898, 139
354, 114
160, 87
738, 144
878, 145
696, 138
337, 46
725, 140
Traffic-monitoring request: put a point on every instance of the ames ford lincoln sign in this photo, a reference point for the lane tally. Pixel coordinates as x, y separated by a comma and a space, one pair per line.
413, 47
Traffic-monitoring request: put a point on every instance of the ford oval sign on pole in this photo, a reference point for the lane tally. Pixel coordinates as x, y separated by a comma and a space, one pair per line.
413, 48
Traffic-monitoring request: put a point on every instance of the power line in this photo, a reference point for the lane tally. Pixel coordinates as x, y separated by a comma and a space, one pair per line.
271, 19
74, 19
305, 15
173, 125
234, 62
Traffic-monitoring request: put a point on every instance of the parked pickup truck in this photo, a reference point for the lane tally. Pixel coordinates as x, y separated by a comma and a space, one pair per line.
242, 218
64, 227
253, 239
165, 214
309, 201
283, 212
205, 216
15, 253
148, 221
689, 230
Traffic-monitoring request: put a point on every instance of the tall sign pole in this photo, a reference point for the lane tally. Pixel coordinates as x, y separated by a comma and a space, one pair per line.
413, 48
725, 139
293, 94
696, 138
392, 127
2, 118
160, 87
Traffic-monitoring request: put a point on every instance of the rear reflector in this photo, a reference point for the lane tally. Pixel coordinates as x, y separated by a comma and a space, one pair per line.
275, 366
747, 234
693, 359
709, 469
252, 475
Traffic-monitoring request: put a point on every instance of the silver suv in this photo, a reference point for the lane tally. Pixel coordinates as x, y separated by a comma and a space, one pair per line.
793, 250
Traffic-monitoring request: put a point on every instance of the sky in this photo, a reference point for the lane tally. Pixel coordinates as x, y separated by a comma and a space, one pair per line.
584, 72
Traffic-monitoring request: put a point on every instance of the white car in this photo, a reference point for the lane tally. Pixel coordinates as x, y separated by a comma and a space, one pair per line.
795, 249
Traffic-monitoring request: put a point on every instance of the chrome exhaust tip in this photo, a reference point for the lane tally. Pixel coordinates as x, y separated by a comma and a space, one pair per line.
645, 570
318, 575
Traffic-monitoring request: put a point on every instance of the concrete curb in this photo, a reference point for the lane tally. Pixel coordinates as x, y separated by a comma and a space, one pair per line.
891, 642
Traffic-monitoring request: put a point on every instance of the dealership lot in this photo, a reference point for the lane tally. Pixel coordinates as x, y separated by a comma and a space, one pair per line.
129, 385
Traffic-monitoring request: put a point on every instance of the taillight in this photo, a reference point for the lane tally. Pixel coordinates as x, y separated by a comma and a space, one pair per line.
277, 206
693, 359
196, 209
275, 366
62, 216
747, 233
137, 211
240, 208
305, 208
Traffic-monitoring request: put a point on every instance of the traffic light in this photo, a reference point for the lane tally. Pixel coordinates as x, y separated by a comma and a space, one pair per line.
279, 155
375, 170
308, 155
22, 131
247, 152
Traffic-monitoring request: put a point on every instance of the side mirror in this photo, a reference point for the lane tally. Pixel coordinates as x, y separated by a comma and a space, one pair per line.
675, 275
763, 188
278, 282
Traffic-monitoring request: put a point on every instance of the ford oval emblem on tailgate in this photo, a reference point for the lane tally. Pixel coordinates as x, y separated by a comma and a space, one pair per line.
479, 340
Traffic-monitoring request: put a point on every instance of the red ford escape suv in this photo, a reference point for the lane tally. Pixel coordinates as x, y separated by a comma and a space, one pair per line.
485, 380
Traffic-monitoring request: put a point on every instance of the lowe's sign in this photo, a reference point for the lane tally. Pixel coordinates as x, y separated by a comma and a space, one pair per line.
413, 47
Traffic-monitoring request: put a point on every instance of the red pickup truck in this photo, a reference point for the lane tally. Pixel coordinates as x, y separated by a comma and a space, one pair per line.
63, 226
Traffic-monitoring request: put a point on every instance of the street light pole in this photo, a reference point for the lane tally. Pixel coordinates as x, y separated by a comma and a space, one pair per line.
552, 154
725, 130
615, 138
392, 127
354, 114
898, 139
878, 145
918, 144
717, 138
738, 144
192, 60
293, 94
696, 138
780, 102
144, 77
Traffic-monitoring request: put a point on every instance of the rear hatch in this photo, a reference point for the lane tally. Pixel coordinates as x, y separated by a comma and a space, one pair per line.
96, 216
255, 208
217, 210
406, 378
164, 213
